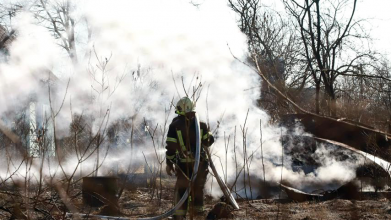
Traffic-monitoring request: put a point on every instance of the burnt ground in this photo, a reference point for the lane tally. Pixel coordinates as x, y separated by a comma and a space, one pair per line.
137, 202
376, 208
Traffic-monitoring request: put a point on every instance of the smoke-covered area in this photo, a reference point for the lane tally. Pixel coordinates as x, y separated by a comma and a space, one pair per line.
140, 58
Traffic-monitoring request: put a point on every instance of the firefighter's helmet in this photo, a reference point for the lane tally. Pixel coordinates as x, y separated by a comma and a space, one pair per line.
185, 105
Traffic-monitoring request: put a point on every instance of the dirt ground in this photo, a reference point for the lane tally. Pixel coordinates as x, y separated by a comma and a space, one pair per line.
272, 209
333, 209
138, 202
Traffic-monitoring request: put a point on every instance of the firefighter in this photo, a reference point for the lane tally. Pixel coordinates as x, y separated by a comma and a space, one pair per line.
180, 153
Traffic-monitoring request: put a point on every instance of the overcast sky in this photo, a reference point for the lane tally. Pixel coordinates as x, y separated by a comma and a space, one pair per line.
380, 14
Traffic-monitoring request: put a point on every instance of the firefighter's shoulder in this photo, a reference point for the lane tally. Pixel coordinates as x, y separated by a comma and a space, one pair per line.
176, 121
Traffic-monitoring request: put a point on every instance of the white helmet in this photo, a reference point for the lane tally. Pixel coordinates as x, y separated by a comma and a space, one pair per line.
185, 105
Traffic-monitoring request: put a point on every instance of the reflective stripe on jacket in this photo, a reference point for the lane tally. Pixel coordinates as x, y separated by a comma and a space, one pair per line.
181, 139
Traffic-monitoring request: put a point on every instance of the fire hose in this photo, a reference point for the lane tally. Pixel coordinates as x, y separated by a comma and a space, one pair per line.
171, 212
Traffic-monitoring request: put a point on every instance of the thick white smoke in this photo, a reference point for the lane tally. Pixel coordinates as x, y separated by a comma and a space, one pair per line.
133, 65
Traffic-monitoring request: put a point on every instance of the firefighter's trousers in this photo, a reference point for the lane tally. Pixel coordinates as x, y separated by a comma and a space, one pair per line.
195, 201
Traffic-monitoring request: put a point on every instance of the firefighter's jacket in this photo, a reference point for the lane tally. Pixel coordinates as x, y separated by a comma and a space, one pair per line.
181, 140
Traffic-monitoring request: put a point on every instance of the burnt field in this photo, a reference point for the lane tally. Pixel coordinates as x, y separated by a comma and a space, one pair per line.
147, 201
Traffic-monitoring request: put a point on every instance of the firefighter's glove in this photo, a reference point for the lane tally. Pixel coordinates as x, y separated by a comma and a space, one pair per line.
169, 169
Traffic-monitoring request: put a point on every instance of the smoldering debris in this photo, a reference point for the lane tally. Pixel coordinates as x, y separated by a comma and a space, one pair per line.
354, 134
309, 165
373, 175
219, 211
304, 152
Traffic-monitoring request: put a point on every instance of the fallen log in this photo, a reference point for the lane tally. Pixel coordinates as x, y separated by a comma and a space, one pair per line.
357, 136
382, 163
300, 196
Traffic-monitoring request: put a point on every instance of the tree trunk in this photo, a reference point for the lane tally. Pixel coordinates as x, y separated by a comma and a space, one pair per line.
317, 86
72, 49
333, 106
332, 100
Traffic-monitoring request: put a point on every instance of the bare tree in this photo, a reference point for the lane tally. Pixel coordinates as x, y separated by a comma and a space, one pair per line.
7, 12
322, 47
57, 16
329, 34
273, 43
